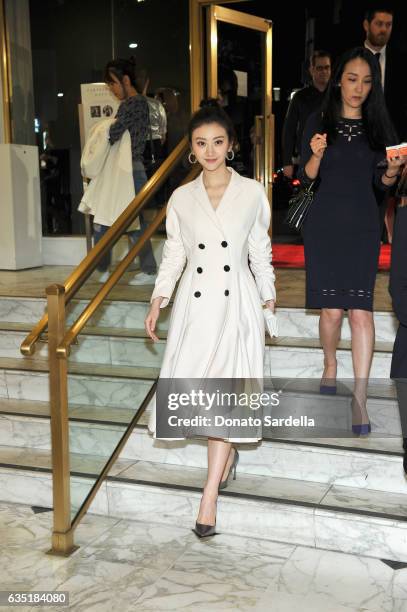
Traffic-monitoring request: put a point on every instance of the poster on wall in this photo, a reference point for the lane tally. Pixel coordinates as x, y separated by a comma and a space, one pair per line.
97, 103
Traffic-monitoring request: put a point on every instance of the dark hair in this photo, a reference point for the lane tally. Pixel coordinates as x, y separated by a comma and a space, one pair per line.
211, 112
121, 68
317, 54
378, 126
370, 14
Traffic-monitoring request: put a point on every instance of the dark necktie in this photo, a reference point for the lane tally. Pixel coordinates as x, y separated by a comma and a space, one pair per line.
377, 56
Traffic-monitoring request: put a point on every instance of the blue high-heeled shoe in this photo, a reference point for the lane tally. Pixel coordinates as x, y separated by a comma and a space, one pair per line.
362, 429
327, 389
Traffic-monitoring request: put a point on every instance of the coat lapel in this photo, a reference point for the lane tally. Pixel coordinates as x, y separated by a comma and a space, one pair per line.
232, 190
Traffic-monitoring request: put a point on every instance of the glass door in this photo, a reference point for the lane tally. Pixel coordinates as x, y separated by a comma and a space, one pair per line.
238, 74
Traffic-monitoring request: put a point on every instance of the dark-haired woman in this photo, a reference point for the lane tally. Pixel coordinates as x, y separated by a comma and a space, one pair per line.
214, 224
133, 115
342, 148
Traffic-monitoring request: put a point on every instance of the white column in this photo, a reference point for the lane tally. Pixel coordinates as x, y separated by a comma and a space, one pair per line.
20, 226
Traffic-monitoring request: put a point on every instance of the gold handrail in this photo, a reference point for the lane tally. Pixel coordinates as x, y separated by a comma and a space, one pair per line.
78, 277
63, 349
59, 346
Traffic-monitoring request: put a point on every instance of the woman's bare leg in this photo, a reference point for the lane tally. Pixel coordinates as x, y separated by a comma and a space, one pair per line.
218, 453
363, 338
330, 323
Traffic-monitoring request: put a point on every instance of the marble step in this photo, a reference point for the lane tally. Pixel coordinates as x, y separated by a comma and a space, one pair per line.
117, 385
319, 515
379, 441
88, 384
129, 313
284, 356
374, 463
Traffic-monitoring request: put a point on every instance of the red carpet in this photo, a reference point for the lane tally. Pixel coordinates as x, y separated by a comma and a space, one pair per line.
292, 256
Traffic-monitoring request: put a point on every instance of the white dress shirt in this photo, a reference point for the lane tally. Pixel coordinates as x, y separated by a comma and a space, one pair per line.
382, 52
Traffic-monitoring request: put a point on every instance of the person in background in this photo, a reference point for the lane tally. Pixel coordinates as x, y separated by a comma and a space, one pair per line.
133, 115
378, 27
344, 147
303, 103
398, 292
158, 121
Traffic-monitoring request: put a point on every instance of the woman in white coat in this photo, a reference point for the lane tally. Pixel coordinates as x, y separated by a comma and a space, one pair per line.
214, 225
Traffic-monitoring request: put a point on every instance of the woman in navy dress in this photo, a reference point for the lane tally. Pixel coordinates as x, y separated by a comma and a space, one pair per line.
343, 147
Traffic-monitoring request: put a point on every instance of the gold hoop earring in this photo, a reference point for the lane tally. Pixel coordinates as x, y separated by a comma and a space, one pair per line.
230, 157
190, 156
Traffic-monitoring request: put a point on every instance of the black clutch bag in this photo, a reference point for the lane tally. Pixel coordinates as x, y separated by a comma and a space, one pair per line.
298, 207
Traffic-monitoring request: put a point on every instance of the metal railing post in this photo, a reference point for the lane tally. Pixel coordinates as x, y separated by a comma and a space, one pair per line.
62, 536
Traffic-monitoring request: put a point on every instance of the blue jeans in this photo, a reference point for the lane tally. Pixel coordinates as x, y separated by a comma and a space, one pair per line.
147, 259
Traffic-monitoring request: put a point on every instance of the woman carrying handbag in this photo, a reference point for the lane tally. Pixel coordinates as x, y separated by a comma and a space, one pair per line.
344, 147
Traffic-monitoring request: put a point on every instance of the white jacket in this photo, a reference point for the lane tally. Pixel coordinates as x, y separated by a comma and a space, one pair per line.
217, 324
110, 169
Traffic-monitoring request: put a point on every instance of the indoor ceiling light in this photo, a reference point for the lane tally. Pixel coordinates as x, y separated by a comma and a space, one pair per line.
133, 45
60, 94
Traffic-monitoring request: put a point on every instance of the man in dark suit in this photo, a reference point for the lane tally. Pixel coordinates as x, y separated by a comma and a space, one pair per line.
398, 292
378, 25
304, 102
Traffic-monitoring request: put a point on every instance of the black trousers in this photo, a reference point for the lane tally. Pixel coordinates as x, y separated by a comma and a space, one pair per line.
401, 385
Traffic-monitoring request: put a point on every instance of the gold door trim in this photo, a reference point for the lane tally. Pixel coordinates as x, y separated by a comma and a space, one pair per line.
215, 14
240, 19
5, 74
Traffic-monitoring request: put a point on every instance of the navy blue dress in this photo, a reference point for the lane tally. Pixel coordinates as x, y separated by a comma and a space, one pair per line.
342, 229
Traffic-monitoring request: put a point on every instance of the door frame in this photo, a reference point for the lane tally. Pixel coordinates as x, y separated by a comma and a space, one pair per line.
215, 14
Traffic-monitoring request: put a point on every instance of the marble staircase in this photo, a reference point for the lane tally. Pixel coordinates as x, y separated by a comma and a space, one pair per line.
345, 494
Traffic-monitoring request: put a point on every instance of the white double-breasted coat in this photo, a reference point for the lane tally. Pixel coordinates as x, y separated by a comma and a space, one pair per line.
216, 327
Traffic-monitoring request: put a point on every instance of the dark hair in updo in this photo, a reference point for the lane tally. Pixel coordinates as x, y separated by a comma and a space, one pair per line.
211, 112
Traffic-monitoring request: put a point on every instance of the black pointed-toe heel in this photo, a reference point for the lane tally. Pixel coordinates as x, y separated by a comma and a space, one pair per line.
204, 531
224, 483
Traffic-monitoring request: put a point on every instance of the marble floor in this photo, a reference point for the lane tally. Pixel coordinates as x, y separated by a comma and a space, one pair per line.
290, 285
128, 565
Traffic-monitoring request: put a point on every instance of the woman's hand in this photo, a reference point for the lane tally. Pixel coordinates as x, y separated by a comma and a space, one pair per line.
270, 304
394, 164
318, 145
152, 318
